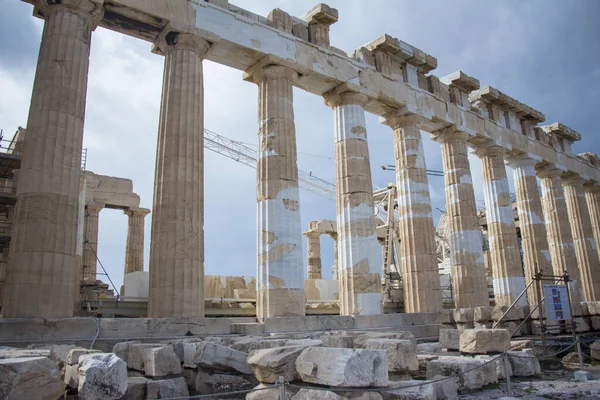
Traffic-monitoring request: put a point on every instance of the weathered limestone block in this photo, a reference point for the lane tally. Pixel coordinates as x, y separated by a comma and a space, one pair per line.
167, 388
122, 350
517, 345
360, 340
161, 361
343, 367
450, 339
464, 315
429, 390
595, 350
595, 321
23, 353
208, 383
71, 376
214, 356
269, 364
482, 341
453, 366
178, 345
304, 342
102, 376
593, 307
424, 359
499, 363
581, 324
524, 363
482, 314
249, 344
136, 388
447, 317
74, 354
341, 341
30, 378
402, 355
482, 325
136, 356
269, 394
310, 394
60, 352
428, 348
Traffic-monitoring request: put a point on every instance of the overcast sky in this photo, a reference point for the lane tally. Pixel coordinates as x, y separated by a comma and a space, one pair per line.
544, 53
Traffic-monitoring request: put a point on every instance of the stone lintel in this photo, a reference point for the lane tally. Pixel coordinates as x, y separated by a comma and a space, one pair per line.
403, 52
545, 170
322, 227
562, 131
590, 158
493, 96
321, 14
462, 81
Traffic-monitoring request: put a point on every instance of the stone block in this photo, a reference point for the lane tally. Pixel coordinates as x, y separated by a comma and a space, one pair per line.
253, 328
307, 324
595, 322
464, 315
178, 345
341, 341
482, 314
310, 394
136, 355
450, 339
167, 388
304, 342
406, 390
343, 367
168, 327
482, 325
124, 327
71, 376
429, 348
74, 354
593, 307
447, 317
122, 349
23, 353
136, 388
102, 376
581, 324
269, 364
477, 378
214, 356
463, 327
270, 394
71, 328
22, 329
583, 376
595, 350
503, 368
402, 355
524, 363
424, 359
60, 352
359, 341
516, 345
249, 344
209, 383
483, 341
513, 315
161, 361
30, 378
511, 326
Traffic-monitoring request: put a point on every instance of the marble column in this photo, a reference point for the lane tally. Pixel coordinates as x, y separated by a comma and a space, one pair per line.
43, 263
418, 257
177, 242
592, 198
280, 266
334, 268
90, 241
536, 254
466, 241
560, 239
505, 256
586, 249
359, 269
134, 252
313, 241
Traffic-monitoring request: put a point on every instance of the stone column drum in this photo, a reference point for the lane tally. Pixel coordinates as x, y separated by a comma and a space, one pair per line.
90, 241
466, 242
280, 267
505, 255
560, 239
334, 268
134, 252
313, 241
177, 243
592, 198
358, 250
536, 254
586, 249
43, 263
418, 259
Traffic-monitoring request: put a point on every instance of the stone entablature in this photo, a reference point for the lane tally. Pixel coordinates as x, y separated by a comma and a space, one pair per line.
560, 136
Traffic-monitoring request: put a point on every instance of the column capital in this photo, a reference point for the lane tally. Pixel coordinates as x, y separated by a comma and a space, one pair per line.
271, 72
311, 234
571, 179
450, 133
171, 41
136, 212
334, 99
399, 119
591, 187
548, 171
94, 207
489, 148
522, 160
92, 9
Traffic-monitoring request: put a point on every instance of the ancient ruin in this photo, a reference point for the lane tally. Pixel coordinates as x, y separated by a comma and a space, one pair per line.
370, 317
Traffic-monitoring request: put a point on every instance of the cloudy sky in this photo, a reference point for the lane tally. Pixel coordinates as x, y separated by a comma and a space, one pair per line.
544, 53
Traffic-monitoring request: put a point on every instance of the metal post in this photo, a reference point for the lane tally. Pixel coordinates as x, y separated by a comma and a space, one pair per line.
538, 278
281, 383
507, 374
573, 325
512, 305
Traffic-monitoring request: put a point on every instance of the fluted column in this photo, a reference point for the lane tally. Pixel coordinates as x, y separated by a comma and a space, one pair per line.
90, 241
134, 252
560, 239
534, 242
280, 266
586, 249
313, 241
177, 243
418, 259
505, 256
359, 270
592, 198
43, 262
466, 242
334, 268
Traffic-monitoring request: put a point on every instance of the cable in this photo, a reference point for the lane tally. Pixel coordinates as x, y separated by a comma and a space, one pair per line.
97, 332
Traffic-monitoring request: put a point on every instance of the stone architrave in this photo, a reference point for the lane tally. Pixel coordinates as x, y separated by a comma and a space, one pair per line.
583, 237
177, 243
505, 255
42, 269
466, 241
358, 250
90, 241
560, 238
534, 242
592, 198
313, 241
418, 259
134, 253
280, 269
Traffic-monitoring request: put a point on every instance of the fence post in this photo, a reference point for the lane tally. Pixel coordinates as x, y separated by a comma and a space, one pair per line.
281, 383
507, 374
